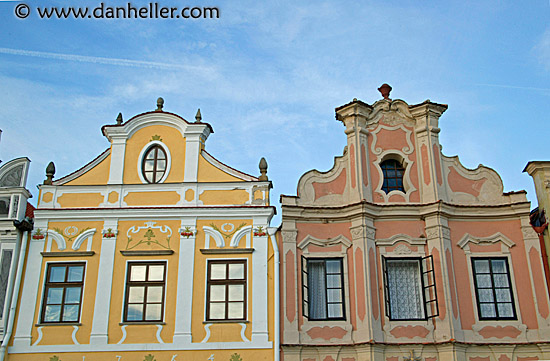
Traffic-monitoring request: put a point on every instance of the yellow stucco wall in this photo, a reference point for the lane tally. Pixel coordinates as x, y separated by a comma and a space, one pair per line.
171, 138
152, 198
96, 176
80, 200
209, 173
224, 197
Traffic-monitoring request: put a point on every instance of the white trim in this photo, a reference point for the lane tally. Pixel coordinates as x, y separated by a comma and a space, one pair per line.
8, 166
61, 244
144, 150
340, 239
236, 239
84, 169
235, 173
243, 330
211, 232
400, 237
73, 335
39, 331
497, 237
123, 329
159, 330
86, 235
377, 150
207, 329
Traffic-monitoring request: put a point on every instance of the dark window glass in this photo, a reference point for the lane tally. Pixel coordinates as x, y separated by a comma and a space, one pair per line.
5, 265
63, 292
323, 288
393, 175
226, 291
493, 289
145, 286
154, 164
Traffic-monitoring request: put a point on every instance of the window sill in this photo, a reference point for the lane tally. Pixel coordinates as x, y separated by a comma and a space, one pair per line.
141, 323
58, 324
226, 321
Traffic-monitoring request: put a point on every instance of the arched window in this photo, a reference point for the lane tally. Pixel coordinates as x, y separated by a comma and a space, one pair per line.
393, 175
154, 164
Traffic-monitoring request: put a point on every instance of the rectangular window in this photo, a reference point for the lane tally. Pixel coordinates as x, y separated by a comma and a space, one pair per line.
226, 291
63, 292
410, 288
493, 289
322, 288
5, 265
145, 288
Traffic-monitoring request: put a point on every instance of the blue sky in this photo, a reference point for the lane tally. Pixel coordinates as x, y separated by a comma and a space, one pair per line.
268, 75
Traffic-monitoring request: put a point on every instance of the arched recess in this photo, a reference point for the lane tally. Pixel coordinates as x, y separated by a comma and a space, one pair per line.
61, 244
211, 232
86, 235
236, 239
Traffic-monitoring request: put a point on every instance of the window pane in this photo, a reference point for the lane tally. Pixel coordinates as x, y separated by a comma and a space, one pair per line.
484, 281
149, 166
334, 310
217, 293
156, 273
153, 312
505, 310
75, 274
54, 296
236, 292
501, 280
52, 313
154, 294
488, 310
138, 273
70, 313
334, 295
150, 154
236, 271
236, 310
485, 295
72, 295
482, 266
334, 281
57, 274
161, 165
136, 294
503, 295
217, 271
405, 295
499, 266
217, 311
135, 312
333, 266
317, 290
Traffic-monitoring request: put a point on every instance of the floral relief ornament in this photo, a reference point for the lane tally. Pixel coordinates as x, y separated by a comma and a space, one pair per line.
260, 232
187, 232
38, 234
109, 233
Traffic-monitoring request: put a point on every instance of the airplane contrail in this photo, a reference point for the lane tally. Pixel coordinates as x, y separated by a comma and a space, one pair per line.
514, 87
101, 60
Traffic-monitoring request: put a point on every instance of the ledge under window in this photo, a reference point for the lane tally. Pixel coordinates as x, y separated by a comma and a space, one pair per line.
226, 321
226, 250
68, 254
58, 324
160, 252
142, 323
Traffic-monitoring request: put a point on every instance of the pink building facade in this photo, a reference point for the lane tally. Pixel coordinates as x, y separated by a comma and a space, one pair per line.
401, 253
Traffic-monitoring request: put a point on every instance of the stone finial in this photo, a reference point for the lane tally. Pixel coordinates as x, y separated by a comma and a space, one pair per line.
50, 171
385, 90
160, 104
198, 117
119, 119
263, 169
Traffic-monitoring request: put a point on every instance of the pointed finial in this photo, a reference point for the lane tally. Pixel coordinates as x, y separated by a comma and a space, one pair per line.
50, 171
160, 104
198, 117
385, 90
119, 119
263, 170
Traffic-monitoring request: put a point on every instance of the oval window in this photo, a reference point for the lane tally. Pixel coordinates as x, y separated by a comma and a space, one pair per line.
154, 164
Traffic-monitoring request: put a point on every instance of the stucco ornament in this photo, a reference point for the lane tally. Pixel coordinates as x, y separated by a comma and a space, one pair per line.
153, 235
235, 357
12, 178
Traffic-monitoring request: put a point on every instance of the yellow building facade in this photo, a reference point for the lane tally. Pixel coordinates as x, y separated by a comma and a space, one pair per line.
154, 250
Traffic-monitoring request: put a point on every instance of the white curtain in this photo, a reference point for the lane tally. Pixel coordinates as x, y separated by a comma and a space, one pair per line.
406, 300
317, 290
